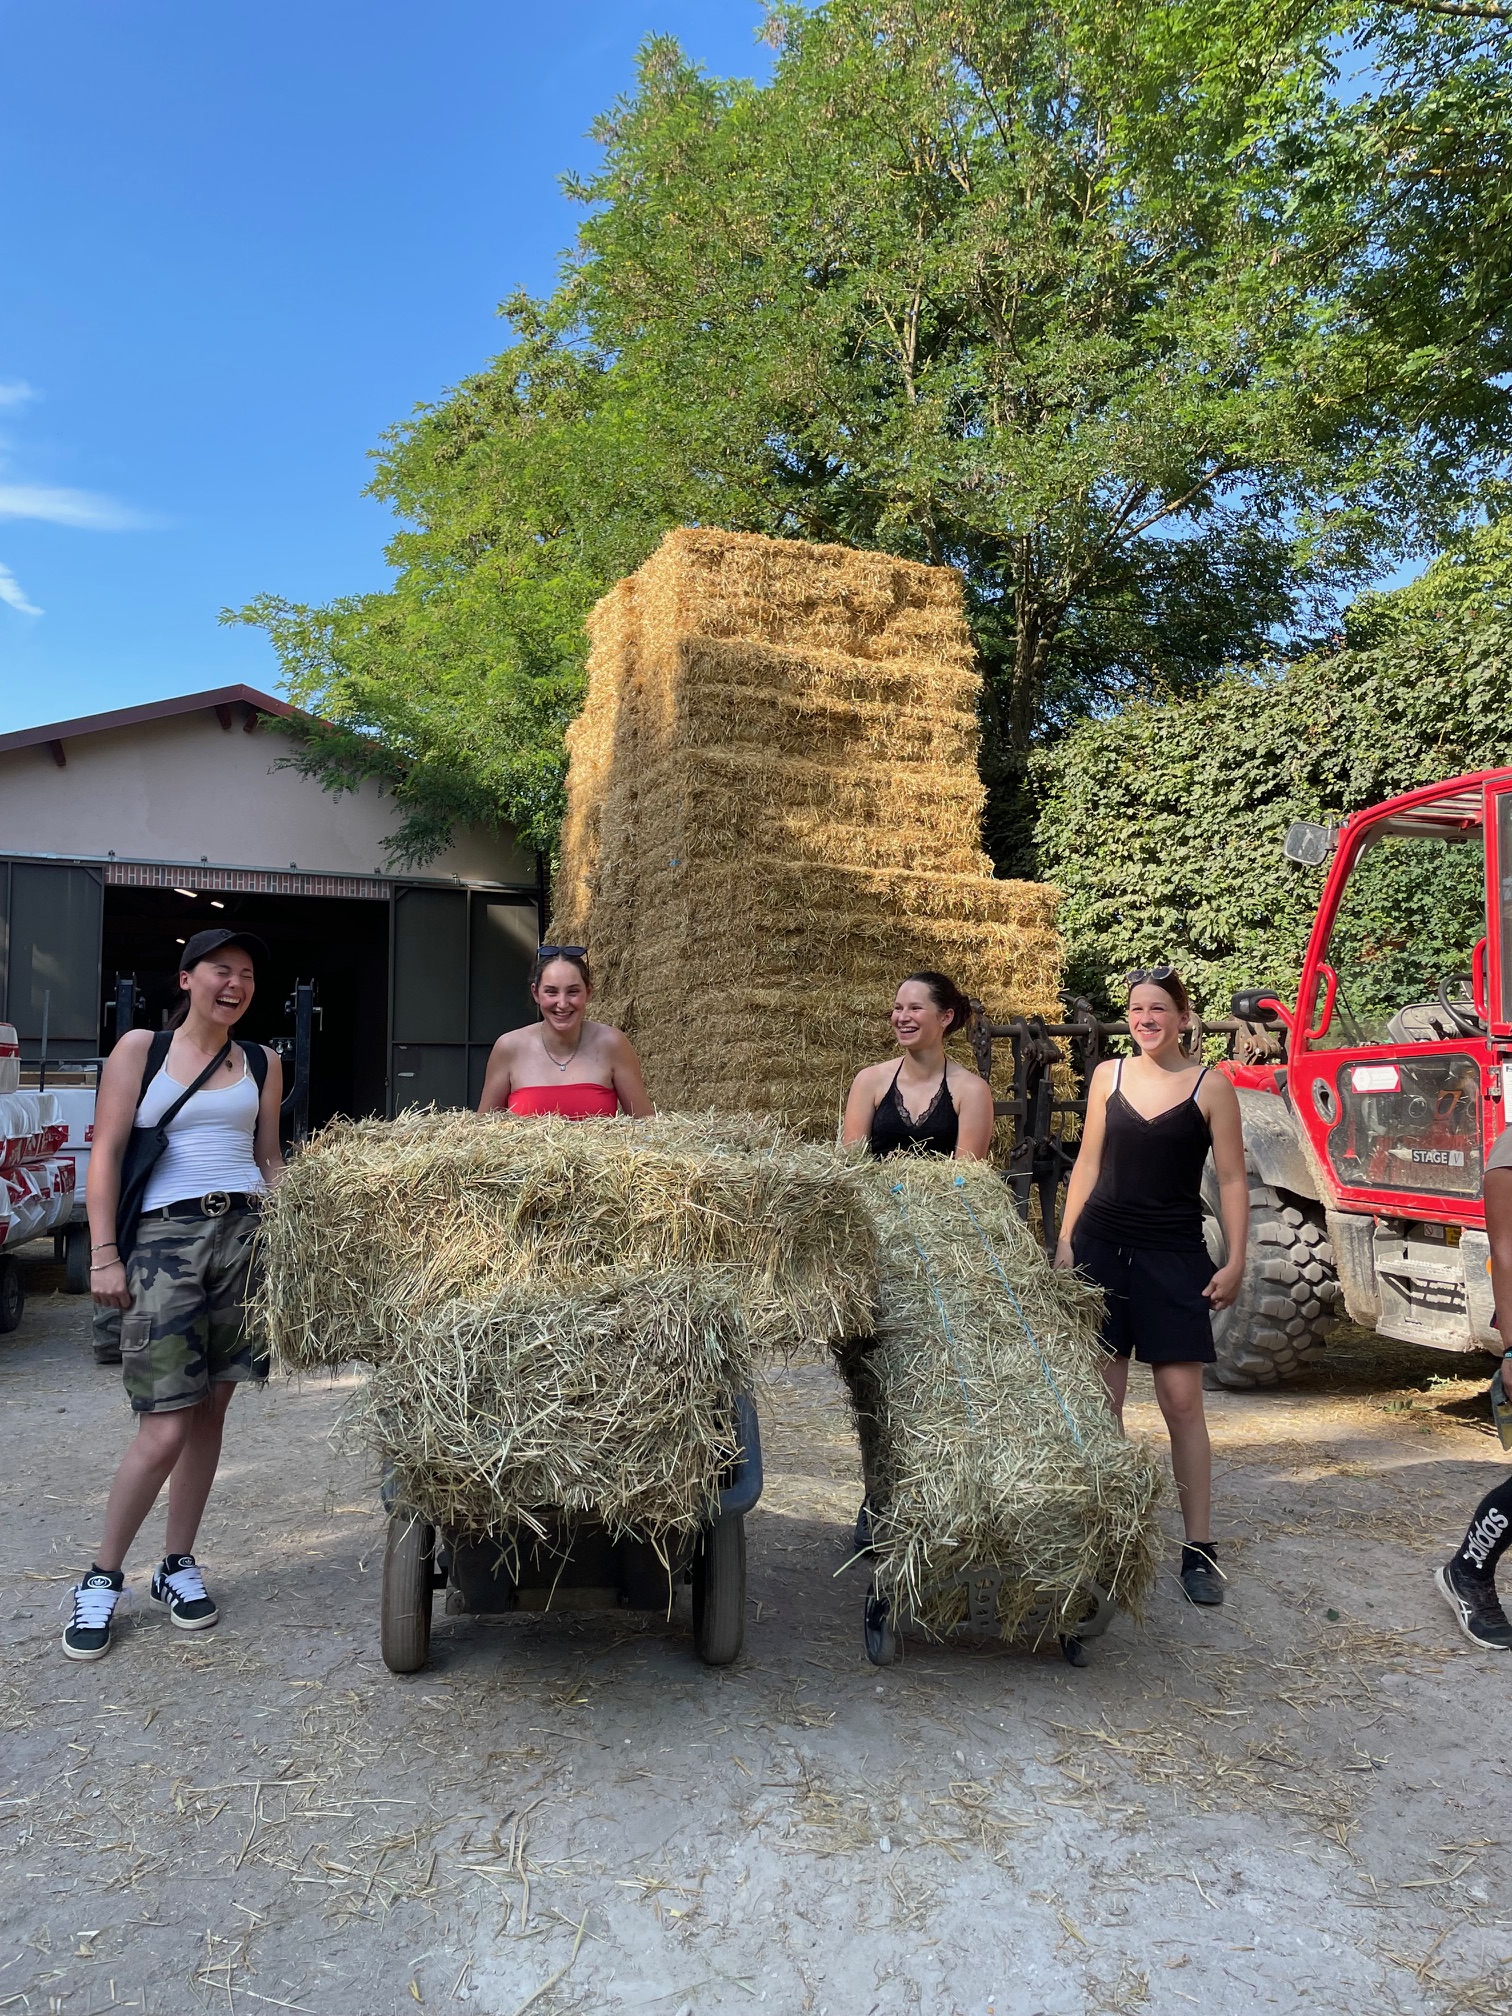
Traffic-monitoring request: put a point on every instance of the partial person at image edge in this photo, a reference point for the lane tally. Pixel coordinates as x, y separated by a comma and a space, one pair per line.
1468, 1581
181, 1274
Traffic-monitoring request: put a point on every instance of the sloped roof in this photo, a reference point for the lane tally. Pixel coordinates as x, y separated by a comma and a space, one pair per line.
218, 699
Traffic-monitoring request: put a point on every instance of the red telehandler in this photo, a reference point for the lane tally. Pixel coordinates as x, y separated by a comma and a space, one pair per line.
1369, 1105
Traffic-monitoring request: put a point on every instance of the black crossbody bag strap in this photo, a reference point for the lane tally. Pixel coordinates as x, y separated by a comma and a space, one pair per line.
145, 1146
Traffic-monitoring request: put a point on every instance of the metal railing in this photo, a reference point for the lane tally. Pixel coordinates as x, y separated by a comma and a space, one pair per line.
1046, 1119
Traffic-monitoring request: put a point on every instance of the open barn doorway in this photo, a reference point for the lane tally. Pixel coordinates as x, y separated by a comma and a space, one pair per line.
341, 943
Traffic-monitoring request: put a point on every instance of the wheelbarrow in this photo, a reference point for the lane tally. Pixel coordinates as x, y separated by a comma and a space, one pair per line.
572, 1564
881, 1628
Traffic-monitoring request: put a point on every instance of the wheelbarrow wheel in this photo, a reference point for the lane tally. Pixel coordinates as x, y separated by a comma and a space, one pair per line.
878, 1629
719, 1591
408, 1579
12, 1295
1100, 1613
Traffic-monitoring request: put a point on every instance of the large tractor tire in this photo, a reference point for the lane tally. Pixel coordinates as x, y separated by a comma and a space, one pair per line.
1289, 1296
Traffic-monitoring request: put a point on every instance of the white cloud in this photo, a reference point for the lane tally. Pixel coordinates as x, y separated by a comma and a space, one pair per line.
12, 592
15, 392
84, 510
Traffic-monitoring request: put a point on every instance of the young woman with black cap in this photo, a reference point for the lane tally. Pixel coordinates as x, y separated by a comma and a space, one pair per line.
192, 1117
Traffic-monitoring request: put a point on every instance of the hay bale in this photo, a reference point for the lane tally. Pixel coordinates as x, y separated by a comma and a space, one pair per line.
610, 1401
773, 792
558, 1313
985, 1426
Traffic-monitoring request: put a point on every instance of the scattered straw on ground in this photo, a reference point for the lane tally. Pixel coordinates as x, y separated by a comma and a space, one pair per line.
985, 1427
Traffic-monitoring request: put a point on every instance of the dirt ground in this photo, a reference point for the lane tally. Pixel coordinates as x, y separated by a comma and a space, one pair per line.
1298, 1801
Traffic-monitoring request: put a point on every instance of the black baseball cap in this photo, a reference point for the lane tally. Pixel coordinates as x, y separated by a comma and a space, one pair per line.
203, 943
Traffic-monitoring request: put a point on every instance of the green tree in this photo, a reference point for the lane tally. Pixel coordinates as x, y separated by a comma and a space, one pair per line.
1134, 315
1163, 826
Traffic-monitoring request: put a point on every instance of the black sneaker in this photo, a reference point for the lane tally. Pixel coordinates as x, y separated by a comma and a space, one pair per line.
1476, 1607
94, 1602
180, 1588
1200, 1577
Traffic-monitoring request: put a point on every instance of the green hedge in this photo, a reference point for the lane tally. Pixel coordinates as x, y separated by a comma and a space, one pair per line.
1163, 824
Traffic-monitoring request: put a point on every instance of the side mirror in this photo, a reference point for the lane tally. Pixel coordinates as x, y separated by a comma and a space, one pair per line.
1309, 845
1254, 1004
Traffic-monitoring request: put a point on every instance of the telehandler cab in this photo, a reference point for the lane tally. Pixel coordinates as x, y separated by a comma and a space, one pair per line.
1369, 1106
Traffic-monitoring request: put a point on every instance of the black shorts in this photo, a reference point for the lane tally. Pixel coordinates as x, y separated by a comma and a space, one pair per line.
1155, 1309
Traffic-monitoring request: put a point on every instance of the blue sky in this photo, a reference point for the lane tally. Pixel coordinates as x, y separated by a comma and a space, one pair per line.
241, 240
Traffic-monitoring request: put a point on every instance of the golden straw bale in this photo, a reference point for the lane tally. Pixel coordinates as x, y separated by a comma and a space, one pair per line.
985, 1428
773, 789
708, 583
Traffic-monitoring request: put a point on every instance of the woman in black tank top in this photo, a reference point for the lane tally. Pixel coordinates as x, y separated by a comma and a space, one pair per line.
923, 1103
1133, 1225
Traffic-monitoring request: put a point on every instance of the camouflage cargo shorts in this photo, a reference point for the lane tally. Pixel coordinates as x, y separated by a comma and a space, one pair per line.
186, 1328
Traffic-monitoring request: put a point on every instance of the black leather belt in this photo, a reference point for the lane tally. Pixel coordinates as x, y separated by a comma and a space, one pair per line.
214, 1204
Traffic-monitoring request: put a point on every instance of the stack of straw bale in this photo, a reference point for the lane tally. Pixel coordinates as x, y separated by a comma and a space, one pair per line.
773, 814
985, 1428
558, 1313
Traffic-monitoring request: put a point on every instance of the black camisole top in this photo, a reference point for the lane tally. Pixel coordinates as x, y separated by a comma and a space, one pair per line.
1149, 1188
935, 1132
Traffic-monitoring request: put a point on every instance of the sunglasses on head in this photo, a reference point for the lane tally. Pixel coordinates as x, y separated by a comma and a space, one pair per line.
1141, 974
545, 952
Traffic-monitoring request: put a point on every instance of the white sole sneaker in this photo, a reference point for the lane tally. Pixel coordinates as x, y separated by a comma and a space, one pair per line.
1463, 1613
184, 1623
73, 1652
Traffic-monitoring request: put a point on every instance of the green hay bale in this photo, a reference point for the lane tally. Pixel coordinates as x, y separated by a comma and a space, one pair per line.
985, 1427
558, 1314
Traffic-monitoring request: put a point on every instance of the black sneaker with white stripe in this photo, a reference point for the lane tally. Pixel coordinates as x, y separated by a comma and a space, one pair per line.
1476, 1606
94, 1602
179, 1588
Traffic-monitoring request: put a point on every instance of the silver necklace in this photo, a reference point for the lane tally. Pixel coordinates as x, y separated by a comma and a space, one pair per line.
564, 1065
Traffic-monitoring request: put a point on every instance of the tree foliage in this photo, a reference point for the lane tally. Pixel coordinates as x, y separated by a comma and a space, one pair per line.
1161, 331
1163, 826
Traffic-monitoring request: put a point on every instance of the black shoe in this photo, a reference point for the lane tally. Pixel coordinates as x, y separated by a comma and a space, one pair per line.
1199, 1574
105, 1356
1476, 1606
863, 1533
94, 1602
180, 1588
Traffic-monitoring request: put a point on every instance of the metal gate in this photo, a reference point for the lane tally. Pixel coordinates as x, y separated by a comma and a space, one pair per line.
460, 963
50, 922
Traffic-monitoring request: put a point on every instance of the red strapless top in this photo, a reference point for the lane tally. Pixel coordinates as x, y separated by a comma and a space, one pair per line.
572, 1102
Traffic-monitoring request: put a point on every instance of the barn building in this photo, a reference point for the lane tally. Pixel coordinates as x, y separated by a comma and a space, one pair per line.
121, 834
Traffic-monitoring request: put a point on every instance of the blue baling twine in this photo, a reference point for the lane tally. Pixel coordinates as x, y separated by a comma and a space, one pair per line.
960, 1184
897, 1191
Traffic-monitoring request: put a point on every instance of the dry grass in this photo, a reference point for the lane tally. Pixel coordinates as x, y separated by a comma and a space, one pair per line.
773, 792
558, 1313
985, 1428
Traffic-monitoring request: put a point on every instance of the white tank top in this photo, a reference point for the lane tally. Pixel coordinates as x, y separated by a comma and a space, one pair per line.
209, 1140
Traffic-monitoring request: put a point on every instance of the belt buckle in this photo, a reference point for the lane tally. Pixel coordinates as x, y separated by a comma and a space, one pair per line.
215, 1203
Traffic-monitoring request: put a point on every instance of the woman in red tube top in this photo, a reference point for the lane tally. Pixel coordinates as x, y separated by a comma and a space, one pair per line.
564, 1064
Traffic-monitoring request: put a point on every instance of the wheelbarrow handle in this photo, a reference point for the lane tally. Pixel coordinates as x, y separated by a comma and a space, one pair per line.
746, 1479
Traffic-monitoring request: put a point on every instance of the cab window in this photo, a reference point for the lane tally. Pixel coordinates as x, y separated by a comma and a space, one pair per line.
1412, 914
